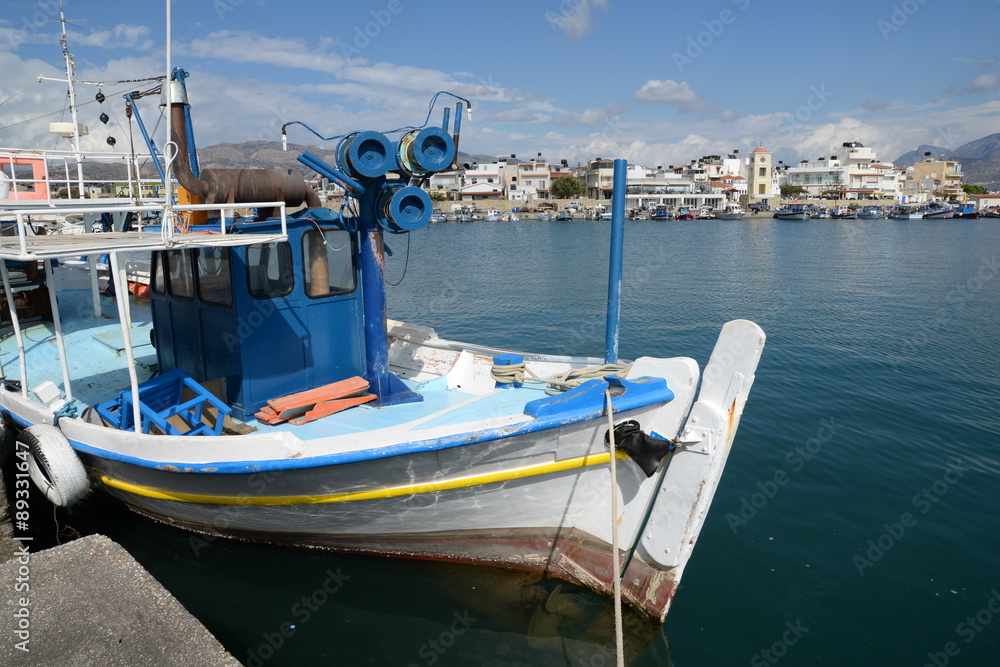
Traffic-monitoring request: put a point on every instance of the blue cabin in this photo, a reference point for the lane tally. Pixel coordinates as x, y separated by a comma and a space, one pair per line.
270, 319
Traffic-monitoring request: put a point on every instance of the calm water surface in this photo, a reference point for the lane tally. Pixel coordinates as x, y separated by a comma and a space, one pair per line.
857, 522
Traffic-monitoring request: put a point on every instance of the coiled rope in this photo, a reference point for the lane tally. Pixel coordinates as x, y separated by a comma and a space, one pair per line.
515, 374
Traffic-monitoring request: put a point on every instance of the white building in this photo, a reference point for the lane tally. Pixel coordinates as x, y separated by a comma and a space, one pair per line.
856, 173
647, 188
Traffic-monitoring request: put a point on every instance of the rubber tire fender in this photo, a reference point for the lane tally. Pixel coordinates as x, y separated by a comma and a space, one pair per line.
4, 439
53, 465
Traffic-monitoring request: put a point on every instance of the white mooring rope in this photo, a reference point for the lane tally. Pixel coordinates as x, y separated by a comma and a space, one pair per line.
515, 373
615, 565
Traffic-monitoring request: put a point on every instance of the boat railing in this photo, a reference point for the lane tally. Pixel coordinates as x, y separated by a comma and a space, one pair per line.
172, 234
173, 230
53, 177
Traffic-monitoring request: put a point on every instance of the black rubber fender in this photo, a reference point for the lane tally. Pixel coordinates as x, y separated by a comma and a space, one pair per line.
53, 465
4, 439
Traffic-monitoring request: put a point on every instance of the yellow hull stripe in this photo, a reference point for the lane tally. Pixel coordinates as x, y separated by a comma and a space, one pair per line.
391, 492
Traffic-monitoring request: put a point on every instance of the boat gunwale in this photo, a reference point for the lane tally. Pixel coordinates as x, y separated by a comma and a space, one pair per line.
621, 404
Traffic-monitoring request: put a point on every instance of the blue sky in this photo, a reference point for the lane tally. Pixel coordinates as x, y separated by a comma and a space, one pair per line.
654, 82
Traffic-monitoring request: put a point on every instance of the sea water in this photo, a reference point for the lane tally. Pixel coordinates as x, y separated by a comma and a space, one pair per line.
857, 522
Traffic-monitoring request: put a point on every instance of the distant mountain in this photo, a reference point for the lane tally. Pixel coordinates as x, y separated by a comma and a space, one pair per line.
980, 160
246, 155
260, 154
917, 155
269, 155
982, 149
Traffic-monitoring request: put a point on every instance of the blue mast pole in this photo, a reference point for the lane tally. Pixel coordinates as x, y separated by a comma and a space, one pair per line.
615, 265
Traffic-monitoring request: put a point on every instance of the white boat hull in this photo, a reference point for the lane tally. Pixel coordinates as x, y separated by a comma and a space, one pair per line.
501, 491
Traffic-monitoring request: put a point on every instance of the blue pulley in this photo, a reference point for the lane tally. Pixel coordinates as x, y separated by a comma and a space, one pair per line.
365, 154
427, 150
403, 208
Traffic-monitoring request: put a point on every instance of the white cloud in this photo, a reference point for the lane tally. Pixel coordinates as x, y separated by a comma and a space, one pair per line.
596, 116
123, 36
518, 116
670, 92
574, 17
982, 83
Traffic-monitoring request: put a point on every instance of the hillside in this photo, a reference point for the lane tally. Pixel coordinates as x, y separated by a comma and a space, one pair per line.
917, 155
246, 155
980, 149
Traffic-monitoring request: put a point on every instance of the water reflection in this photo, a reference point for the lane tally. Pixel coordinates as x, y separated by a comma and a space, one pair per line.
276, 606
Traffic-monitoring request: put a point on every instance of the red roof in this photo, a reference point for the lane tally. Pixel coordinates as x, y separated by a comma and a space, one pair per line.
760, 149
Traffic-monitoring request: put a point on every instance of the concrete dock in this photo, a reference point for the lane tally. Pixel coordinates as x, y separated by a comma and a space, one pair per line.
88, 602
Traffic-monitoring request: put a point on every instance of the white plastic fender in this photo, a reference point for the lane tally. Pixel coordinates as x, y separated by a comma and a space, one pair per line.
53, 465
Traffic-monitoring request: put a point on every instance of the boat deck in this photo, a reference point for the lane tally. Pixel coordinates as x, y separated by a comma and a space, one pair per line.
98, 372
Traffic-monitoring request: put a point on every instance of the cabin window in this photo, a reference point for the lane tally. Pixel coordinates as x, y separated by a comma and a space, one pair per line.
329, 262
269, 270
215, 280
158, 282
180, 280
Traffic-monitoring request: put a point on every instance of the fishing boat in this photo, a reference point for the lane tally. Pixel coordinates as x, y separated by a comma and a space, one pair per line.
905, 212
966, 211
732, 211
871, 213
705, 213
843, 213
363, 434
492, 215
936, 210
661, 212
792, 212
684, 214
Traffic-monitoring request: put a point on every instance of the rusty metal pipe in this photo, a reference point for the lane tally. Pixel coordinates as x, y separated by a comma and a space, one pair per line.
236, 186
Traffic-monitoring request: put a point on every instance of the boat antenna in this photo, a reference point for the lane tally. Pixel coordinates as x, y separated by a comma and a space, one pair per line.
70, 66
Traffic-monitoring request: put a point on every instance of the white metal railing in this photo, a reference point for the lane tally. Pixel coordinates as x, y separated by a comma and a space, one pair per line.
171, 236
43, 186
168, 224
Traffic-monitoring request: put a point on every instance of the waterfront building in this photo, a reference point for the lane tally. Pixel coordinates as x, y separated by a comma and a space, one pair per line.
647, 188
938, 178
856, 173
600, 178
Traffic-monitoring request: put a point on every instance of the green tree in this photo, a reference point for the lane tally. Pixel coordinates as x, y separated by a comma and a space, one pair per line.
438, 197
565, 187
973, 189
792, 191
